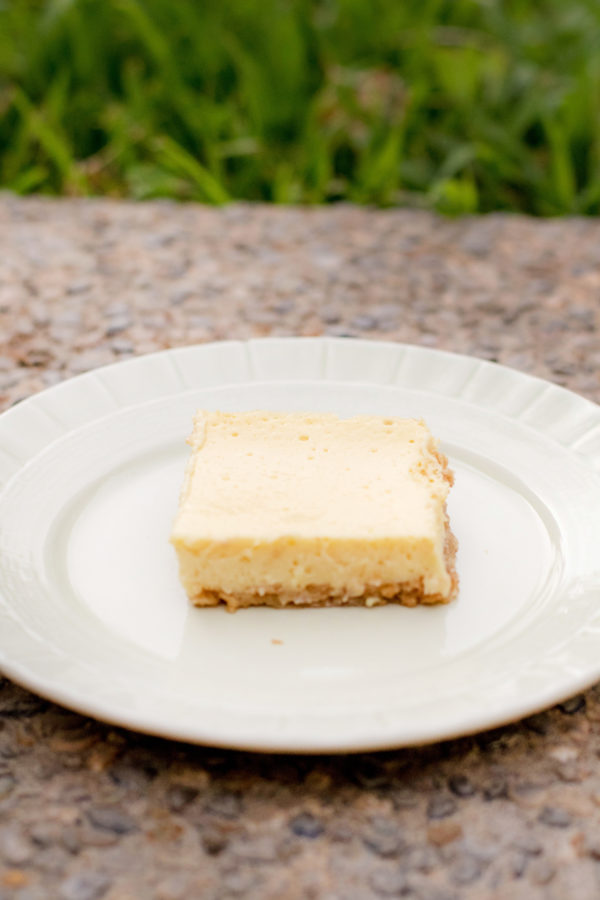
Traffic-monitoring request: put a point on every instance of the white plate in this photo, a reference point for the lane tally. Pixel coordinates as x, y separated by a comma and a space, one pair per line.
92, 614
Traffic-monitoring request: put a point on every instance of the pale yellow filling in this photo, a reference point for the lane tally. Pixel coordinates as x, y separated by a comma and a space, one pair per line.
289, 501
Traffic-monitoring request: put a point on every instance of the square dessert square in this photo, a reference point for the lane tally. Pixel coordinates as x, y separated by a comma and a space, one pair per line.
293, 509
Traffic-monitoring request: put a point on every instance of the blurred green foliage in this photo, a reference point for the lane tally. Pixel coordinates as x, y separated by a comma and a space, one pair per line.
461, 105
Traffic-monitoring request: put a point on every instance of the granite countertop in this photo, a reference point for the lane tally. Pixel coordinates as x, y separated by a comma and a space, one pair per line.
92, 811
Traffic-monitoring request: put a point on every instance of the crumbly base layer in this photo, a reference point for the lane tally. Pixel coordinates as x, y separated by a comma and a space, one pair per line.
318, 595
407, 594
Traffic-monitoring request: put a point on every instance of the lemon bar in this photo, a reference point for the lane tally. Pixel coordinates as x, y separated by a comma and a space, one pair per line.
290, 509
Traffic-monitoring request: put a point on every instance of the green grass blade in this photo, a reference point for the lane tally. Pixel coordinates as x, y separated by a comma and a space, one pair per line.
180, 162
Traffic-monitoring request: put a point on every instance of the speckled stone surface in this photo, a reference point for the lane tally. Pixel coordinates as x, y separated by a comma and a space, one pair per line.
88, 811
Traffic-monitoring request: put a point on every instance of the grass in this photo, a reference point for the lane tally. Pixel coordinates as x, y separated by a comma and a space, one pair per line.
461, 105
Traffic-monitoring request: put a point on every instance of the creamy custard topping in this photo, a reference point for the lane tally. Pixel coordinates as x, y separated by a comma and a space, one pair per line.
282, 503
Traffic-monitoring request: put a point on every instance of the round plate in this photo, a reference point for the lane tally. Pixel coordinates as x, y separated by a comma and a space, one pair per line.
92, 614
